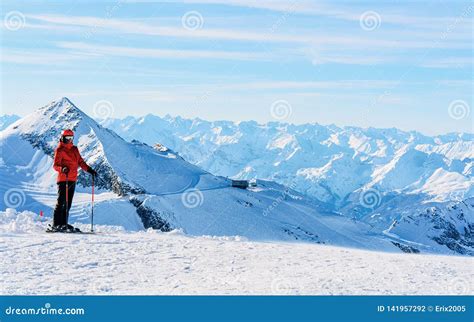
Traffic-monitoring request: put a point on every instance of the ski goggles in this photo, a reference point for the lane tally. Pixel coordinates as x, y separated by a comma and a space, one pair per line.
69, 138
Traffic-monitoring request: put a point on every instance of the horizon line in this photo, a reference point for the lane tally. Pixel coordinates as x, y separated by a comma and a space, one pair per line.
341, 127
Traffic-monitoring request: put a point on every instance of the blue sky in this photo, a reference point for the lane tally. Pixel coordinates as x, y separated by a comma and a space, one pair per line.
404, 64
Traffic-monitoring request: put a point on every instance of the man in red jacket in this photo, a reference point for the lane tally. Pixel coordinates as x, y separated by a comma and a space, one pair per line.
66, 161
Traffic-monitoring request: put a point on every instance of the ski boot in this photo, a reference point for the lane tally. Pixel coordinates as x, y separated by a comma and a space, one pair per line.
55, 229
71, 229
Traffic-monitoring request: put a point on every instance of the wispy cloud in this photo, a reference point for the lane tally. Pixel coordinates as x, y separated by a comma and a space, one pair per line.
303, 37
456, 83
135, 27
30, 57
299, 87
452, 62
336, 85
160, 53
343, 12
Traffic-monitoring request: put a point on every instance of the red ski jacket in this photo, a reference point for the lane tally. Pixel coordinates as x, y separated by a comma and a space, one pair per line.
67, 155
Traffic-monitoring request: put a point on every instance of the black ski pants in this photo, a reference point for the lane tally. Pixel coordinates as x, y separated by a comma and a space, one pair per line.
61, 211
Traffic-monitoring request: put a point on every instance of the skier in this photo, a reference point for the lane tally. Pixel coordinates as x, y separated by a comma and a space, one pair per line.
66, 161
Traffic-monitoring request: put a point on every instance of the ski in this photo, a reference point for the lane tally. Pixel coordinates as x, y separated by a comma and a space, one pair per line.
49, 231
71, 230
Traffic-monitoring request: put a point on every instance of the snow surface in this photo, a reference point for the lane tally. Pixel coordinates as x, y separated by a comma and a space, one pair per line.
115, 261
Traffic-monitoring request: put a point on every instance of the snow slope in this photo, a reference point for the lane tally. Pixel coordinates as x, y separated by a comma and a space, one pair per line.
451, 226
116, 262
142, 187
377, 176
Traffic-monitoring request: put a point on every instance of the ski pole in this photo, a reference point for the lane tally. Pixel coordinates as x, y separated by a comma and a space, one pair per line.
67, 198
92, 209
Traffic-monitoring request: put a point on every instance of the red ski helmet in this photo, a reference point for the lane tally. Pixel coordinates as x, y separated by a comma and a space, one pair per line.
68, 133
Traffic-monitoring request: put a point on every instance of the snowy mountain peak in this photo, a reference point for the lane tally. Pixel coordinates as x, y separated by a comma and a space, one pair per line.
50, 120
125, 167
63, 109
63, 103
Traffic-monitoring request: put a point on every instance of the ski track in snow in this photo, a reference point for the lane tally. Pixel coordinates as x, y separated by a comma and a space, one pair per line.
117, 262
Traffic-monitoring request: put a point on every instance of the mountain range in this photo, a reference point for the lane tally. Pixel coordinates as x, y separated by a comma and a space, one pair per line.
367, 188
329, 163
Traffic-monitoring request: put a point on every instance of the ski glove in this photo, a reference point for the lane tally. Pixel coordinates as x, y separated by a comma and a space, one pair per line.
92, 171
65, 170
